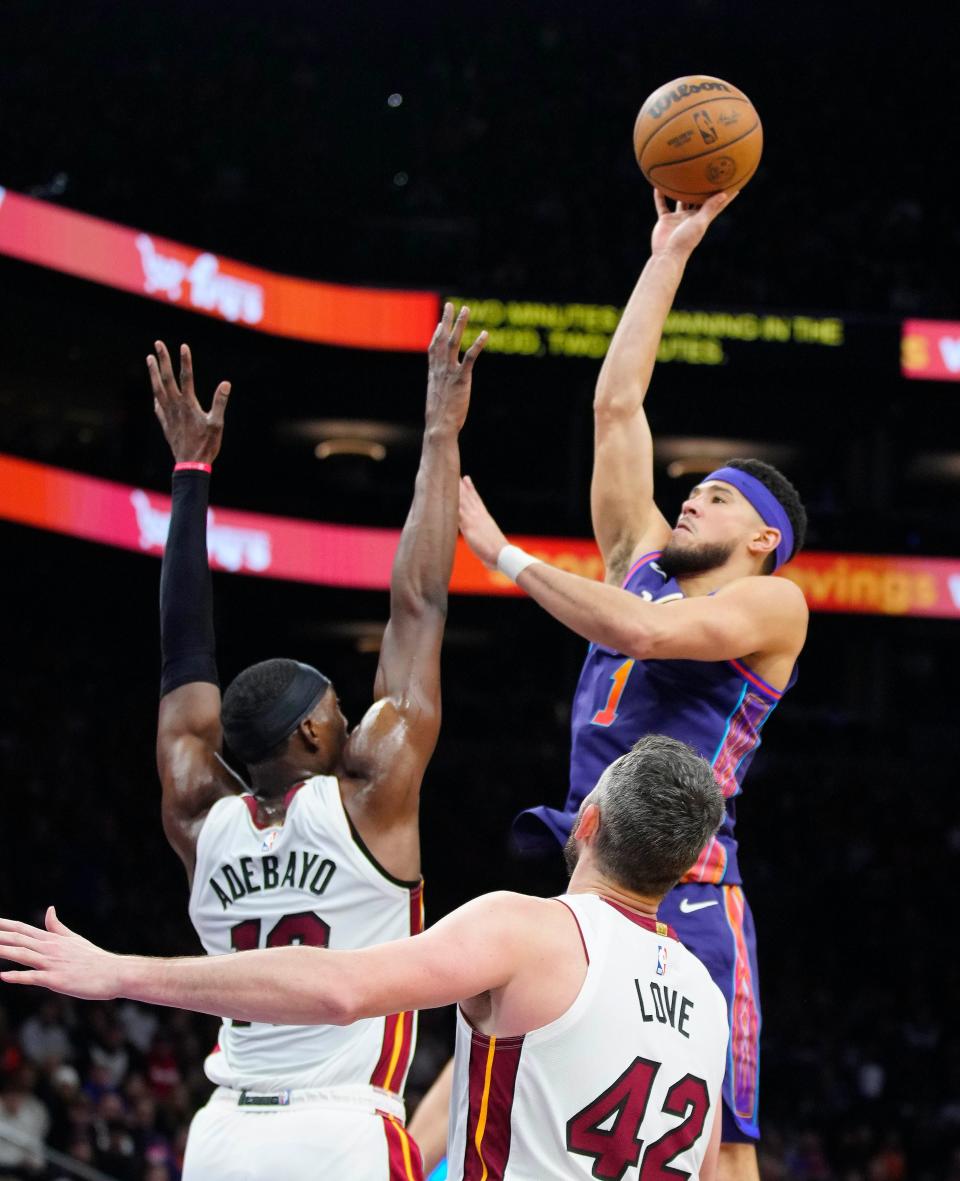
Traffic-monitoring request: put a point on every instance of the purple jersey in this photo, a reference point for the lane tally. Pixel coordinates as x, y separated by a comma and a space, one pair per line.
716, 707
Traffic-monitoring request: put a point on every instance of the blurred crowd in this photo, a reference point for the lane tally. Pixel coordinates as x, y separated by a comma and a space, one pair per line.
111, 1086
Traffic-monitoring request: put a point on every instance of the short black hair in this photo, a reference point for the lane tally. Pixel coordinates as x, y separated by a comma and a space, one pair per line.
659, 805
254, 690
785, 493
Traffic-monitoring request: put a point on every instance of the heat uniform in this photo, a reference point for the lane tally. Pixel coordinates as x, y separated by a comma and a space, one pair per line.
719, 709
625, 1084
301, 1101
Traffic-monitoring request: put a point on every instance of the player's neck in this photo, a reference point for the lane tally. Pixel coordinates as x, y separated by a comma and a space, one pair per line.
695, 585
271, 781
588, 880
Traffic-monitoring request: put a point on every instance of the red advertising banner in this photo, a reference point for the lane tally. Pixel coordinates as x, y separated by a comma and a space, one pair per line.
867, 584
327, 313
350, 556
930, 350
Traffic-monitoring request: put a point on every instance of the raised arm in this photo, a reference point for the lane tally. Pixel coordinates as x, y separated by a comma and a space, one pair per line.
188, 726
626, 520
387, 755
750, 616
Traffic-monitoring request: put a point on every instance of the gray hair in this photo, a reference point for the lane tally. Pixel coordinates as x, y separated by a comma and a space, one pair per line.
659, 805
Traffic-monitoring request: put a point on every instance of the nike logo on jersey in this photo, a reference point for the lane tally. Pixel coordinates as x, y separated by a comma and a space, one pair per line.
688, 907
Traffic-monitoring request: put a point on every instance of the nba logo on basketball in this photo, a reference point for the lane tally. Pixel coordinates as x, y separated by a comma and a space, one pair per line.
661, 960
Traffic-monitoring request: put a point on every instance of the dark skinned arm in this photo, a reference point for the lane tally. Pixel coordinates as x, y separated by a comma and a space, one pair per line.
388, 754
188, 727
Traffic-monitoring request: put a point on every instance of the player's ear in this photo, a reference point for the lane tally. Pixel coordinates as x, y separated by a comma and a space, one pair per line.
309, 733
588, 823
764, 542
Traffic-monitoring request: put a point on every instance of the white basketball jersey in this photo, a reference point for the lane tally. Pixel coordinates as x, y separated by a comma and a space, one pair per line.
625, 1084
309, 880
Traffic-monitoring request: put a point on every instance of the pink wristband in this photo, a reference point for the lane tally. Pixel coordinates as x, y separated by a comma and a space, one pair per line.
193, 467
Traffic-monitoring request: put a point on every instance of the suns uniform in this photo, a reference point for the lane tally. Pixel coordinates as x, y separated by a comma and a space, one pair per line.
625, 1084
719, 708
301, 1101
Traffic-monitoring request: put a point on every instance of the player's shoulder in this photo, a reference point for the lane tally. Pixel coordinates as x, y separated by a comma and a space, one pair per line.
312, 798
643, 566
766, 591
521, 916
510, 902
222, 810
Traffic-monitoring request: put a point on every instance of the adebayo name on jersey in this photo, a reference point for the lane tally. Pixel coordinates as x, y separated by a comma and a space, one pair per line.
300, 870
666, 101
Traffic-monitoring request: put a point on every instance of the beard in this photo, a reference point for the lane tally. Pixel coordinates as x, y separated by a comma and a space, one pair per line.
678, 561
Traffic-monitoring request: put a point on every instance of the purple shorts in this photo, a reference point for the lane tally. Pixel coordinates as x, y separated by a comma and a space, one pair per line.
715, 923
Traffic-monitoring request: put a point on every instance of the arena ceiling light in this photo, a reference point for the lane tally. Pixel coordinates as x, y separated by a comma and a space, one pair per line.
694, 456
347, 446
367, 438
935, 466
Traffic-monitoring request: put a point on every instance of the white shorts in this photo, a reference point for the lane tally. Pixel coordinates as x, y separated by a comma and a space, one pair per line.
316, 1135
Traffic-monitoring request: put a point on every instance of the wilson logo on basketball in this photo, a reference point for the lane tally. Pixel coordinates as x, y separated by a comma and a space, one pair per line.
666, 101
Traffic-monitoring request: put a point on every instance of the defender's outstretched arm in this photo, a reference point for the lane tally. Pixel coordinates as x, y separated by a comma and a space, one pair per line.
479, 947
188, 724
390, 750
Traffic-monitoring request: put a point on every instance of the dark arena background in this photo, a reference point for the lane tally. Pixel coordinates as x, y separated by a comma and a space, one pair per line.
485, 154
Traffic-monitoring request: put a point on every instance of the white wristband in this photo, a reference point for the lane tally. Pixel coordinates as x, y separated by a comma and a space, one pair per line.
512, 561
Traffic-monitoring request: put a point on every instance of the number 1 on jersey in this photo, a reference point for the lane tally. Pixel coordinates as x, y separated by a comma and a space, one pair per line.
608, 715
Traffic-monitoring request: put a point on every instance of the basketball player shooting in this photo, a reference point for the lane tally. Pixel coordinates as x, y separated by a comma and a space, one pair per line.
688, 637
590, 1042
323, 849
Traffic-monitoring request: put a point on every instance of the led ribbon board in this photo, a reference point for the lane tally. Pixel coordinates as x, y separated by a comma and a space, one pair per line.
930, 350
130, 260
350, 556
367, 318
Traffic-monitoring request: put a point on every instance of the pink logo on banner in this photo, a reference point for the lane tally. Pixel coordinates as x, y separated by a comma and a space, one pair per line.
208, 289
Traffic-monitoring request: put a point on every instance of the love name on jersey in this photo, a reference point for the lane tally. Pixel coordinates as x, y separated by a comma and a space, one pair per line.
249, 875
665, 1005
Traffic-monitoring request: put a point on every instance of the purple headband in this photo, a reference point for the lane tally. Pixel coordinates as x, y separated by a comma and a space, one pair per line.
770, 509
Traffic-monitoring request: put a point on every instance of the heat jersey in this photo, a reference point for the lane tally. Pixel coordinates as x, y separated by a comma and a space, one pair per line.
626, 1083
309, 880
716, 707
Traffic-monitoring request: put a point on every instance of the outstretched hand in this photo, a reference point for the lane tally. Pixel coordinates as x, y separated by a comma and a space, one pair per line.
679, 231
480, 531
58, 959
194, 434
449, 378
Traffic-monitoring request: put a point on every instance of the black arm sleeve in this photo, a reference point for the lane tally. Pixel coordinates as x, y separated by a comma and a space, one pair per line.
187, 643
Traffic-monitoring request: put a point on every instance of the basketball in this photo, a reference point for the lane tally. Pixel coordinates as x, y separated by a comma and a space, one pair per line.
696, 136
